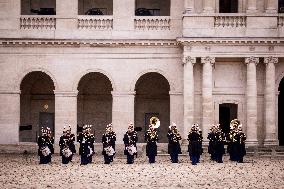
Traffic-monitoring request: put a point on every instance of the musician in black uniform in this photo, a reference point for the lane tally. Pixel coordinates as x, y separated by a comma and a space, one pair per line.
108, 140
216, 143
194, 146
174, 145
85, 149
151, 137
67, 146
91, 141
238, 144
44, 152
71, 142
212, 137
130, 139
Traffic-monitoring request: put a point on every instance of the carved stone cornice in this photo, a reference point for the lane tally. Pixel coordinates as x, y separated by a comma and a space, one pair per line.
252, 60
208, 59
83, 43
271, 59
189, 59
234, 41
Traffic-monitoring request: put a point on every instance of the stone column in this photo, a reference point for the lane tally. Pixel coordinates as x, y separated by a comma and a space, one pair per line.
251, 101
176, 103
271, 6
208, 6
65, 112
207, 97
251, 6
270, 102
188, 93
66, 14
9, 116
122, 112
189, 6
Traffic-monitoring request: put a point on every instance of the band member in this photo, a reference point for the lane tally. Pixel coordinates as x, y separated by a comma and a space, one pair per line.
86, 149
45, 144
66, 144
216, 143
174, 145
71, 142
91, 141
236, 142
151, 136
241, 138
194, 146
108, 140
130, 139
212, 142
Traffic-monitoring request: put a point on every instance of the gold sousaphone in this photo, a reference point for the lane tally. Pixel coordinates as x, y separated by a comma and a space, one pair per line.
155, 122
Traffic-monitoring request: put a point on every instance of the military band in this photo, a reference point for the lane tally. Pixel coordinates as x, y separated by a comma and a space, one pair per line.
217, 140
195, 144
216, 143
108, 140
45, 146
67, 146
151, 137
174, 146
86, 140
236, 142
130, 139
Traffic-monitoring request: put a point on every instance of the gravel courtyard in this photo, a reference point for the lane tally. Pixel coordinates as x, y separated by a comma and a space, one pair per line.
23, 171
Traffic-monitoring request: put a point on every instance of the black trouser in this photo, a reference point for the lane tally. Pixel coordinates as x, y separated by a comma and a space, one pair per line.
219, 157
65, 160
130, 159
174, 157
152, 158
44, 159
107, 159
194, 159
84, 160
90, 158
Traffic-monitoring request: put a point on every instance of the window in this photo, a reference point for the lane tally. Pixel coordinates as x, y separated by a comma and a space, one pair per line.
152, 7
95, 7
38, 7
228, 6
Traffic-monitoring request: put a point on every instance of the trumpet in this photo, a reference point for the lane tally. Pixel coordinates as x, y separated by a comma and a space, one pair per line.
155, 122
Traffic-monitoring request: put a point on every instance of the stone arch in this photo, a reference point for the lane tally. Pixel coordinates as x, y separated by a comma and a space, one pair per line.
152, 98
85, 72
22, 75
140, 74
37, 105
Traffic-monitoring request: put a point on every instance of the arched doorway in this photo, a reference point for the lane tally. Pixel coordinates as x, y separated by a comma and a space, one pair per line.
227, 112
281, 113
152, 99
94, 103
36, 105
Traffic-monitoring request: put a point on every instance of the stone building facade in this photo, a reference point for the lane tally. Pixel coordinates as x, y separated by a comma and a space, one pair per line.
188, 61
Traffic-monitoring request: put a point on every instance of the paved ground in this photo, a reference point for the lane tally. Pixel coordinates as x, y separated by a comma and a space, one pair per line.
23, 171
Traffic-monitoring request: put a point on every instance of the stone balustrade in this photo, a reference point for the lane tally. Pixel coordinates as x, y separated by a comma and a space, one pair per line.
95, 22
230, 21
38, 22
152, 23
